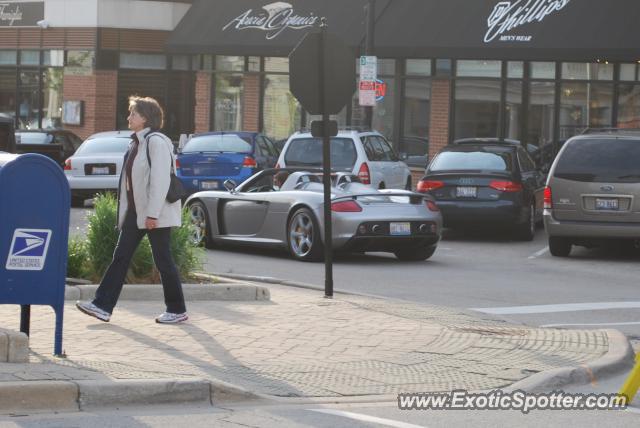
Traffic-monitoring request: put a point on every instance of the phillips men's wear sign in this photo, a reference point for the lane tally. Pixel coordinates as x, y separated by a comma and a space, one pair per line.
508, 16
14, 14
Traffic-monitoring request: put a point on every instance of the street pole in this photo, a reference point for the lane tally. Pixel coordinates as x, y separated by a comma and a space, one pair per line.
326, 171
368, 48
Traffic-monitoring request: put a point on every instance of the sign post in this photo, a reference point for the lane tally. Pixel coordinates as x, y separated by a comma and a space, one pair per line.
368, 78
319, 62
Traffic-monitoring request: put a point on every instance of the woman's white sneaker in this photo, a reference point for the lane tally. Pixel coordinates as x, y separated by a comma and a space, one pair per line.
171, 318
91, 309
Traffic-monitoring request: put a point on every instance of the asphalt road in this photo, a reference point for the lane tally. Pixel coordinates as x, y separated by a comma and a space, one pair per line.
487, 271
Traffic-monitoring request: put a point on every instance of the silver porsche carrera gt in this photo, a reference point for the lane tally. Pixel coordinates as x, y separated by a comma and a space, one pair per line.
258, 212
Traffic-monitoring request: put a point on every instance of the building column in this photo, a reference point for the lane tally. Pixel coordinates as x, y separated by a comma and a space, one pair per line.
439, 117
251, 103
202, 108
98, 94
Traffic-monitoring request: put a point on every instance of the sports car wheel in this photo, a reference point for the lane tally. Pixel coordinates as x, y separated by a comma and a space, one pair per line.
200, 232
415, 254
303, 236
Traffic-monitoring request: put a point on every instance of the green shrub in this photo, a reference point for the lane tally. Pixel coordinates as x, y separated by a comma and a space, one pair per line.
77, 261
102, 238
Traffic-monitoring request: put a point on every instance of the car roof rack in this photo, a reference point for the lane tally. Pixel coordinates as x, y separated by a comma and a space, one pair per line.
357, 128
588, 131
490, 140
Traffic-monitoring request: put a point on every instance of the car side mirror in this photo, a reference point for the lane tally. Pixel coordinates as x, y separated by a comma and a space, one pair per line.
230, 185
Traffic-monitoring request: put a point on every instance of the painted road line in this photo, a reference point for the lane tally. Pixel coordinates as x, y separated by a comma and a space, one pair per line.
539, 253
598, 324
568, 307
367, 418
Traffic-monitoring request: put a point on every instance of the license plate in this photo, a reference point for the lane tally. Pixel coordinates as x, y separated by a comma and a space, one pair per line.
208, 185
607, 204
403, 228
466, 192
100, 170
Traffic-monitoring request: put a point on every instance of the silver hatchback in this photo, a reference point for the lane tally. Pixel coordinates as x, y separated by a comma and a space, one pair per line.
593, 191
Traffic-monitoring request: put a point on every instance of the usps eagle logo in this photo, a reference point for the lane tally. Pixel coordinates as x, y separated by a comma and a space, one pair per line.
28, 250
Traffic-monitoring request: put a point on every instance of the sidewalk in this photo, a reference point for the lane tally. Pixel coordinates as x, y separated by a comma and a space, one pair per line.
298, 344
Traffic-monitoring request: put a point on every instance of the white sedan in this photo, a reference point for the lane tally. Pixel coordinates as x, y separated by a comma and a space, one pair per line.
95, 167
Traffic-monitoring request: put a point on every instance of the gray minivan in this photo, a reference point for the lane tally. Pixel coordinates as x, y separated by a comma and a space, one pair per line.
593, 191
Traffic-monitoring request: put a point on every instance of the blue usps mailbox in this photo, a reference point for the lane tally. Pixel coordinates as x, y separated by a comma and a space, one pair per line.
34, 229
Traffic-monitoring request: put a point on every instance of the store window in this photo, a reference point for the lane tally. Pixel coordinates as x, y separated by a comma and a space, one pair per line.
415, 130
481, 68
587, 71
477, 107
513, 113
629, 106
28, 98
541, 114
584, 105
628, 72
543, 70
52, 97
143, 61
8, 58
229, 63
30, 58
8, 84
281, 111
228, 109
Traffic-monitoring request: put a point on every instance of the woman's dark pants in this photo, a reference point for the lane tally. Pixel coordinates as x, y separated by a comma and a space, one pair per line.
130, 236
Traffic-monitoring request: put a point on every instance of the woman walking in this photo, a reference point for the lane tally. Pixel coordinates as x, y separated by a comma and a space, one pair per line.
144, 210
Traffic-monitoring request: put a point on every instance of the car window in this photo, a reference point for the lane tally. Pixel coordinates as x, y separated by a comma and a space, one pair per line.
75, 140
600, 160
66, 143
35, 137
104, 145
367, 143
218, 143
526, 164
473, 160
271, 146
264, 147
378, 149
388, 151
308, 152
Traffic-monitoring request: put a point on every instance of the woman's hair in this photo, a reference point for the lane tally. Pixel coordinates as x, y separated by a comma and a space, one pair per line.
148, 108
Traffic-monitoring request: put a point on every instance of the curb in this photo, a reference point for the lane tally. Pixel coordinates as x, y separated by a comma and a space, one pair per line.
620, 356
14, 347
225, 292
82, 395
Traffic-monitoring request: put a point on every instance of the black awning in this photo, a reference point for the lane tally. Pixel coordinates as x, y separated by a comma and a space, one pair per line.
263, 27
561, 30
551, 30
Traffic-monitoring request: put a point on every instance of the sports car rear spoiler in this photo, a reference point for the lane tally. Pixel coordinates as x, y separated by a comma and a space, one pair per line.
414, 198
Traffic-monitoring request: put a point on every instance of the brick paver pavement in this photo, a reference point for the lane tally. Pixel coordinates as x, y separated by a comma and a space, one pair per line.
301, 344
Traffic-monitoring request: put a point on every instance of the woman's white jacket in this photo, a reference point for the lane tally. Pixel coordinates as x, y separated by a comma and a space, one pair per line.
150, 183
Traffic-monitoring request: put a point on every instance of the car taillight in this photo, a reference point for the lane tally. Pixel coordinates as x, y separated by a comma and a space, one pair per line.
249, 162
67, 165
432, 206
506, 186
427, 185
177, 163
547, 198
363, 174
346, 207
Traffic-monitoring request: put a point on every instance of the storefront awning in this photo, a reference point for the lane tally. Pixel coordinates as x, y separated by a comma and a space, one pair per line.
263, 27
552, 30
545, 30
